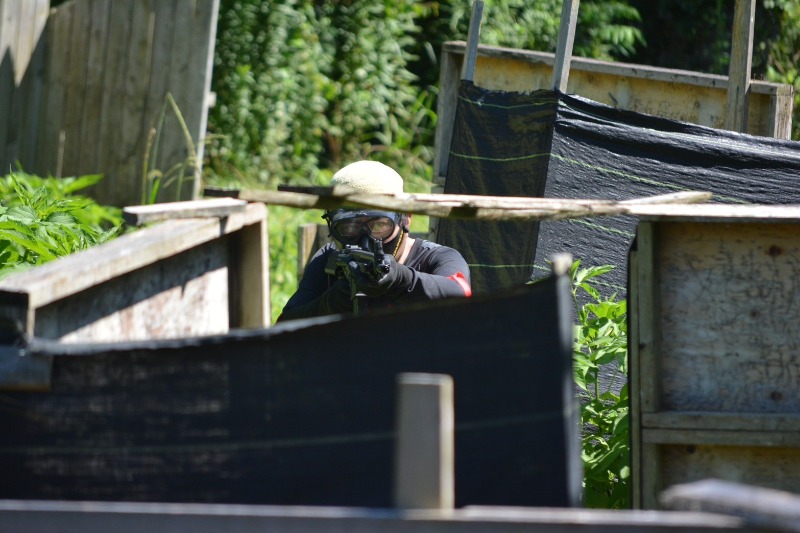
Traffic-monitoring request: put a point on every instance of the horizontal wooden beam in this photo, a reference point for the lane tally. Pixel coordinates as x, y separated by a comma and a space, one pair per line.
722, 421
646, 72
466, 206
213, 207
91, 517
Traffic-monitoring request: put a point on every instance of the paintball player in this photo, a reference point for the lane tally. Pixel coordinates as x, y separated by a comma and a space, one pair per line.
373, 261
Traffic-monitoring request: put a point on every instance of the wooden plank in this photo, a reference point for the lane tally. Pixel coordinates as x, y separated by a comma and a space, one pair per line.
473, 38
95, 63
248, 281
217, 207
310, 238
74, 273
737, 437
634, 378
586, 66
424, 476
129, 147
114, 100
180, 296
129, 517
720, 213
445, 111
31, 87
9, 14
736, 114
760, 422
770, 467
50, 138
75, 86
766, 508
158, 120
464, 206
189, 68
648, 358
566, 39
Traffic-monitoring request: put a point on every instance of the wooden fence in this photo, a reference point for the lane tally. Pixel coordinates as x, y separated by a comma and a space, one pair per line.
89, 87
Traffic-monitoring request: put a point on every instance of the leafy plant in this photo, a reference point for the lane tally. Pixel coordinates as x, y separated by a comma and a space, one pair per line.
42, 219
601, 343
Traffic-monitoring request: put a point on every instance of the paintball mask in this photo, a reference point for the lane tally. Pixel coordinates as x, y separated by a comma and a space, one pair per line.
350, 227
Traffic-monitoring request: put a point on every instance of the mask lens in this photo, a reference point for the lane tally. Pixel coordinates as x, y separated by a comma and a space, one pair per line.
349, 228
376, 226
381, 228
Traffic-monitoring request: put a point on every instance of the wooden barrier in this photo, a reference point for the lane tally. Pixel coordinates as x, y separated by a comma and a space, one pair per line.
92, 85
187, 277
714, 370
303, 413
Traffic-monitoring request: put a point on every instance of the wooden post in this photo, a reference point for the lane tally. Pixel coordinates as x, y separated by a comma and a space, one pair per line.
424, 473
741, 61
566, 38
473, 37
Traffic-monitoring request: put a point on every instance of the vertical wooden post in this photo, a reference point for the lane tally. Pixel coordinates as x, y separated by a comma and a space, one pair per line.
741, 61
424, 473
566, 38
473, 37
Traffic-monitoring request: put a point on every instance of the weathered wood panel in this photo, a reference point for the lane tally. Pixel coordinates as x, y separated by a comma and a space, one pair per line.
714, 365
22, 23
89, 91
740, 282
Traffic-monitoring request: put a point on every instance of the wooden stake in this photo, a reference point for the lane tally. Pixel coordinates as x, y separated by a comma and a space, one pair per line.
424, 472
741, 61
566, 38
473, 37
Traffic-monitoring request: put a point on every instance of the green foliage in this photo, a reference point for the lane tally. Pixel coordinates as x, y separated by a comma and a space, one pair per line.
304, 85
42, 219
784, 52
601, 342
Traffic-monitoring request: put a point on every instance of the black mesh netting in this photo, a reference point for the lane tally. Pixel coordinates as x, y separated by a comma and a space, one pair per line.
545, 143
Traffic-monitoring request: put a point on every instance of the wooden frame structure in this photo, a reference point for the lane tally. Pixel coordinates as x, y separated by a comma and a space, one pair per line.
714, 371
200, 275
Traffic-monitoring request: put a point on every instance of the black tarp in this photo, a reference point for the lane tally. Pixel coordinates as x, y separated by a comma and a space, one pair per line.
546, 143
303, 413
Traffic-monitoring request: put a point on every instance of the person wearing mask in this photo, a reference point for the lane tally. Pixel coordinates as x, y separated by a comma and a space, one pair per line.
410, 270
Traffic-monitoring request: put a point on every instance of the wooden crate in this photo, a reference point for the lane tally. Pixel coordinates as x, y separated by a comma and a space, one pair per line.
178, 278
715, 369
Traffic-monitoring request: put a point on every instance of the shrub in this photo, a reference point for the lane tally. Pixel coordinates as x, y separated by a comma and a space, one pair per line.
42, 219
601, 343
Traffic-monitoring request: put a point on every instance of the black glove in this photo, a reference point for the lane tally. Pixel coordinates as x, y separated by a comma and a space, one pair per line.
337, 298
393, 282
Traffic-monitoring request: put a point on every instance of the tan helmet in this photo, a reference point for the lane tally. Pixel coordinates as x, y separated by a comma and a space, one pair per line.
370, 177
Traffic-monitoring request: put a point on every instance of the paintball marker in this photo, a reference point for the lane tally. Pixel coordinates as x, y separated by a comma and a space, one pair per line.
370, 259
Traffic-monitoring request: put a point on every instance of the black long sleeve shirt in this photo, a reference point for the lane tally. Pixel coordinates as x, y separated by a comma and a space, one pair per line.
431, 271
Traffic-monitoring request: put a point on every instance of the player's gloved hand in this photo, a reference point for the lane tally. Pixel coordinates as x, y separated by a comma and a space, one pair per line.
374, 284
337, 298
